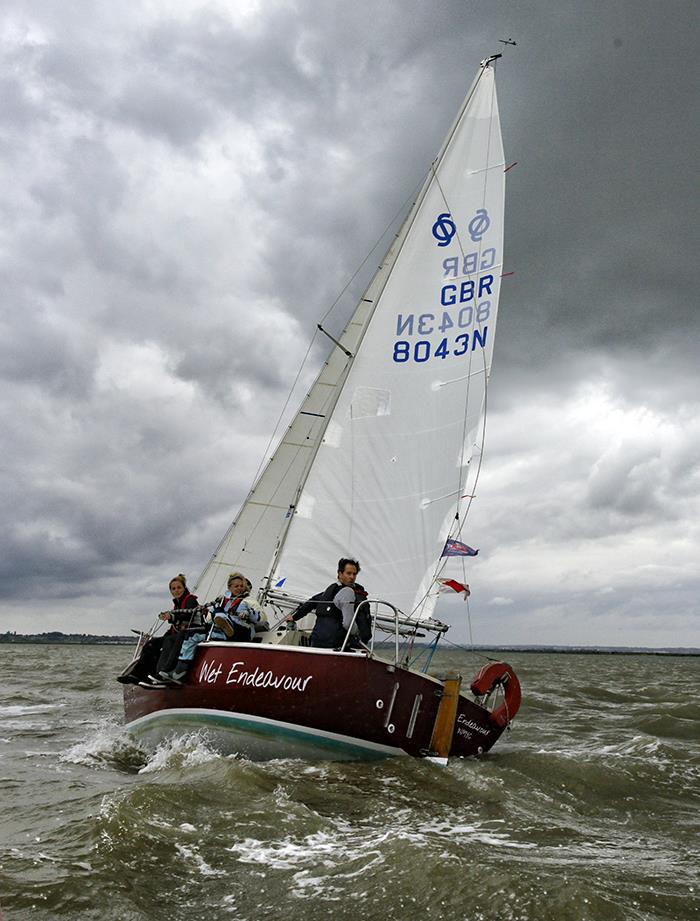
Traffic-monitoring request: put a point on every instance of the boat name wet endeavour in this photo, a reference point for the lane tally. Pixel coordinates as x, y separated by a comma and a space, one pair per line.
211, 671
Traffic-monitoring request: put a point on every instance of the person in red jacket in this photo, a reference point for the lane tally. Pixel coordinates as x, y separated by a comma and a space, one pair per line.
182, 619
158, 652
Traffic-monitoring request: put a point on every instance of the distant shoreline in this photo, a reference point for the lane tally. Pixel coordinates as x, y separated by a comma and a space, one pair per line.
93, 639
590, 650
66, 639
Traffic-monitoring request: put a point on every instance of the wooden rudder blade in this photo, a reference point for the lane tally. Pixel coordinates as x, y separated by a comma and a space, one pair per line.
443, 730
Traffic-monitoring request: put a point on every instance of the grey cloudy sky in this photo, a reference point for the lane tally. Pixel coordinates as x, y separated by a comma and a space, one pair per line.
185, 188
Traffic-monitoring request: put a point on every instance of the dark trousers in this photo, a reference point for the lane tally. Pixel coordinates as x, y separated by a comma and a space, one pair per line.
328, 632
170, 651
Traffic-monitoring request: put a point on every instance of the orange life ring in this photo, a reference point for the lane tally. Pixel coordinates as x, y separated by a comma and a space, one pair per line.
490, 677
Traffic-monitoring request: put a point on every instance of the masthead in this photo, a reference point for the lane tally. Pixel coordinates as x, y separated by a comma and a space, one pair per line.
494, 57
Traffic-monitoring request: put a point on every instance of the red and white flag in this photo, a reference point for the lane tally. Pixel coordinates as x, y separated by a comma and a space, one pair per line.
451, 585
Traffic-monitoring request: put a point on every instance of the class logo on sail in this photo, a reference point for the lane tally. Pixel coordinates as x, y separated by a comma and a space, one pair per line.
444, 228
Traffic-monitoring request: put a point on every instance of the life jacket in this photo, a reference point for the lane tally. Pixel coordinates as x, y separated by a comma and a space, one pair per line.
185, 615
181, 602
243, 624
322, 605
363, 619
229, 605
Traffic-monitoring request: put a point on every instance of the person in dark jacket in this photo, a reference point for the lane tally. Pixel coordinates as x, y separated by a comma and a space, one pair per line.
183, 621
335, 608
158, 652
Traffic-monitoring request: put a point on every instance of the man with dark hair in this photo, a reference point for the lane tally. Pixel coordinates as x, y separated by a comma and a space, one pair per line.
335, 609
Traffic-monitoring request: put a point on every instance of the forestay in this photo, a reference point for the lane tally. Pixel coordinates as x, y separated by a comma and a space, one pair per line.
375, 463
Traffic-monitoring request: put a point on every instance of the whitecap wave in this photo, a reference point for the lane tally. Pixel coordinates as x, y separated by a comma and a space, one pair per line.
107, 744
637, 745
327, 860
26, 709
190, 854
190, 750
35, 718
483, 833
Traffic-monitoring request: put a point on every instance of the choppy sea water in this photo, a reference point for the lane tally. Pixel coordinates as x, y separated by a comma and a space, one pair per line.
588, 809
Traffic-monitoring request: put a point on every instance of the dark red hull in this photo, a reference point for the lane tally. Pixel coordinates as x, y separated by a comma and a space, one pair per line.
275, 701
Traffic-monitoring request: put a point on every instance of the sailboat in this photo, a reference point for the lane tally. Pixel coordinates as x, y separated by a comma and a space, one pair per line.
376, 464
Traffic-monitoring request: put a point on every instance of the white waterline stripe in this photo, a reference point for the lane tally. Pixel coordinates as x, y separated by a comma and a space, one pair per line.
240, 720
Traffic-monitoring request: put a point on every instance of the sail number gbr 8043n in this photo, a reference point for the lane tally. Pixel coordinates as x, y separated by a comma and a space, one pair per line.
470, 308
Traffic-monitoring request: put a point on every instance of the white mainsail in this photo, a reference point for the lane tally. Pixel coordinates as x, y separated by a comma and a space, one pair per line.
374, 464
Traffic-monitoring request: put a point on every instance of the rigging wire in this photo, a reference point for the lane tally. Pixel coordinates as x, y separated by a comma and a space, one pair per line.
469, 612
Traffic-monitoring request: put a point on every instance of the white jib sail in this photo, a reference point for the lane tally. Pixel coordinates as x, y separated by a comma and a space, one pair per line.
375, 463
